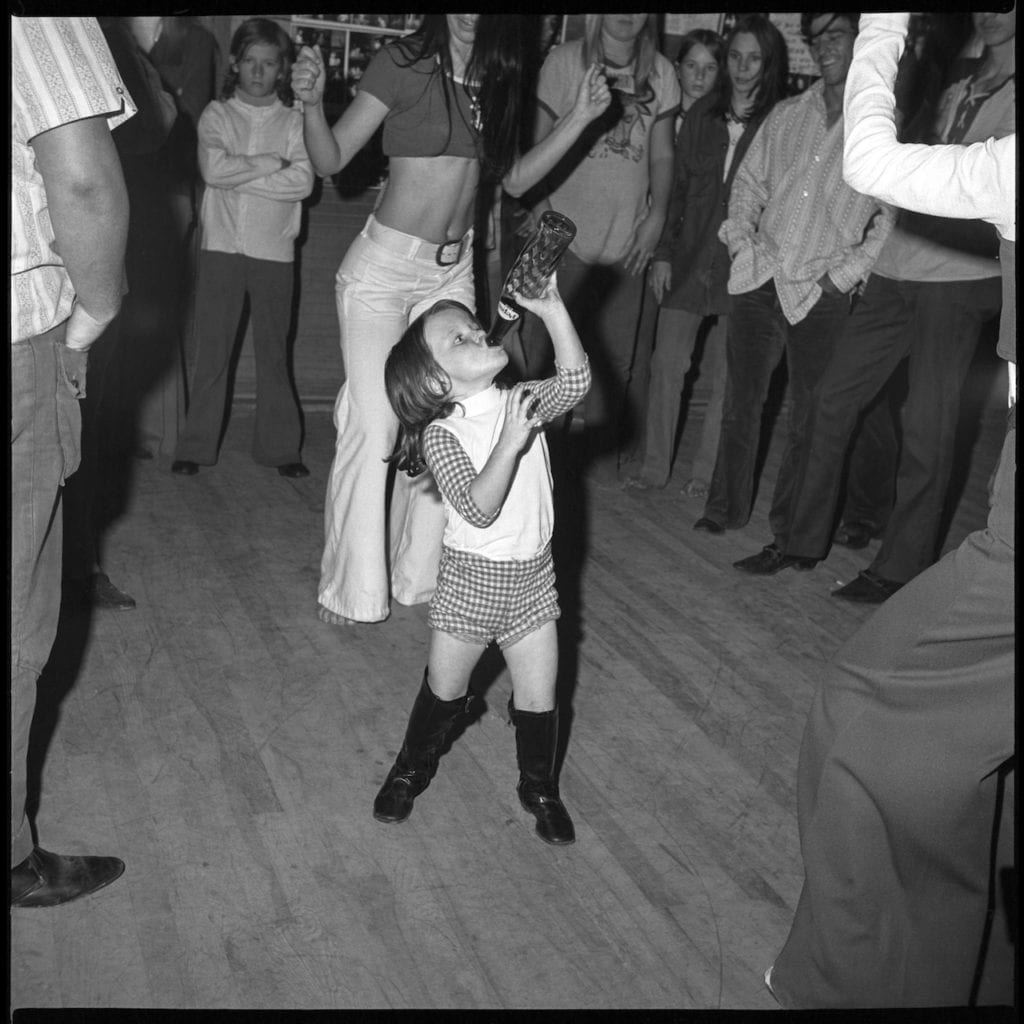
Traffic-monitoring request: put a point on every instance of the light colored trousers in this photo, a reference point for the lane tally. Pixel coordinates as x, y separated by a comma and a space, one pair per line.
678, 330
385, 280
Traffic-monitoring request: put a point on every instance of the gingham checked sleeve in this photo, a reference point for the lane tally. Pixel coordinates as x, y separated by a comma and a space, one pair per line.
561, 392
454, 472
451, 466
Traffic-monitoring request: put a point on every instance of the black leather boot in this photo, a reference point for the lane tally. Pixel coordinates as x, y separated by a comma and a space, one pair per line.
536, 740
429, 724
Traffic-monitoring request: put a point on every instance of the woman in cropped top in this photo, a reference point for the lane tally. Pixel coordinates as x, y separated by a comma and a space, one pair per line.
447, 97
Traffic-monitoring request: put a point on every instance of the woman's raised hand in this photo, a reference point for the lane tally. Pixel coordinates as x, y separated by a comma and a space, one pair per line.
309, 75
593, 96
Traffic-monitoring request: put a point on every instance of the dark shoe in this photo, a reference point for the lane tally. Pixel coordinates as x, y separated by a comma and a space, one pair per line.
770, 560
854, 535
536, 740
46, 879
293, 469
868, 588
416, 764
102, 593
184, 468
708, 525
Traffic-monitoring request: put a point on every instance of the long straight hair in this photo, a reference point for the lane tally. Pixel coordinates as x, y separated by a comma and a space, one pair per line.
417, 388
495, 69
774, 68
645, 47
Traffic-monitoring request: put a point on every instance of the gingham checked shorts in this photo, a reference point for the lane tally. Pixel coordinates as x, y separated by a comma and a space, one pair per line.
480, 600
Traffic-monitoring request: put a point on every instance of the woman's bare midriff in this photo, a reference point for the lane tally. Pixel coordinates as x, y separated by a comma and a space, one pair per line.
430, 197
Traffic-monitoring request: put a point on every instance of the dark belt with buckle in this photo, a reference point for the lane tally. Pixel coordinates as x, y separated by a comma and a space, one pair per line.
450, 253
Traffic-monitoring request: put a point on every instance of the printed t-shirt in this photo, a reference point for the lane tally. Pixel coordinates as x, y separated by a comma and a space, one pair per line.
606, 194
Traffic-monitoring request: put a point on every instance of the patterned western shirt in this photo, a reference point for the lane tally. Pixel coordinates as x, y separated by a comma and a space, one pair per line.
61, 72
791, 215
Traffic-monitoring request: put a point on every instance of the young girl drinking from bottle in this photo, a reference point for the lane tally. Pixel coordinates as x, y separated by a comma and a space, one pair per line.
254, 163
485, 449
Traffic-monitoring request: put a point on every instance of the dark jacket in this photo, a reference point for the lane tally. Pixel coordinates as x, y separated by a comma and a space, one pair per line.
698, 205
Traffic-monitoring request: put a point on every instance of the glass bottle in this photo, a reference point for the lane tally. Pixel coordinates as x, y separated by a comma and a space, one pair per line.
531, 270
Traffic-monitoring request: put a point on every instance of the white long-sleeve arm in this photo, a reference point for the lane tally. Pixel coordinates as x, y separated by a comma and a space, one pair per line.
977, 181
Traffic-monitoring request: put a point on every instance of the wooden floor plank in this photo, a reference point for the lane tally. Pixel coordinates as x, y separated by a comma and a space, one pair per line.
228, 746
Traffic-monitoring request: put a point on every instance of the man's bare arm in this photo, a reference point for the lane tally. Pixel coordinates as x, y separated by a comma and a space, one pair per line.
88, 207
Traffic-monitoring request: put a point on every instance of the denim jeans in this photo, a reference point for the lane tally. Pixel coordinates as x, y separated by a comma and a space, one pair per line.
380, 289
758, 335
678, 330
47, 380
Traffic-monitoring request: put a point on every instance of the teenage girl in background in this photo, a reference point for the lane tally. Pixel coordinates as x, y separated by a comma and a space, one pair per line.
691, 266
254, 164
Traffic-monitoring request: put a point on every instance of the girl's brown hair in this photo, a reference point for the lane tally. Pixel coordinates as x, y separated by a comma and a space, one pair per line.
417, 389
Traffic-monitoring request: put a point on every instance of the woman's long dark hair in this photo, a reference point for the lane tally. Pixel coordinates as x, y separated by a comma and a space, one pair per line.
417, 389
774, 68
495, 67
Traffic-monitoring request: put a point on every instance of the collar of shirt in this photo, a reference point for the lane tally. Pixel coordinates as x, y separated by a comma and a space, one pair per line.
484, 401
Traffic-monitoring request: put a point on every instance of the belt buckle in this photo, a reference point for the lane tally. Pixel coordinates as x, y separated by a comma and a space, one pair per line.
442, 251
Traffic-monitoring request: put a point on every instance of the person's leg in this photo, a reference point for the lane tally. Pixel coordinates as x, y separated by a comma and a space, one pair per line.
871, 473
809, 347
378, 292
219, 302
47, 382
277, 434
439, 703
617, 297
635, 400
673, 350
948, 318
533, 665
153, 354
874, 342
37, 472
81, 495
712, 372
753, 348
416, 516
895, 839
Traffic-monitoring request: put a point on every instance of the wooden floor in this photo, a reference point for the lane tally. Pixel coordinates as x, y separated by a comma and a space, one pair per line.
228, 746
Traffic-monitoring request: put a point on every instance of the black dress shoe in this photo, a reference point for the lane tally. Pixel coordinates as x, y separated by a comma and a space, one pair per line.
868, 588
98, 591
855, 535
45, 879
184, 468
708, 525
293, 469
770, 560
